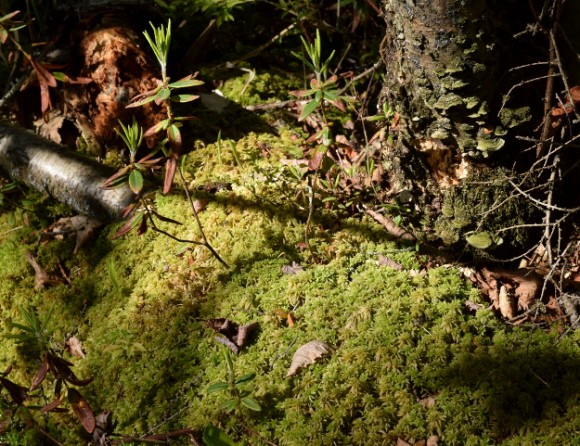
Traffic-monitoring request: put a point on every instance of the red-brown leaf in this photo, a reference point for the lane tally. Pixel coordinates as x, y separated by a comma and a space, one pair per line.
41, 374
18, 393
52, 405
82, 410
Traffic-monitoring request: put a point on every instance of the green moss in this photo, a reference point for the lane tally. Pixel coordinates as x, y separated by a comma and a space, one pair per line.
484, 204
409, 360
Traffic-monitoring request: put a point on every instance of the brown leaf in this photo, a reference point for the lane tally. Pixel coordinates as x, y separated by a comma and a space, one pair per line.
316, 160
199, 205
235, 335
82, 410
61, 369
49, 127
472, 306
427, 402
52, 405
401, 442
84, 228
244, 333
433, 440
41, 374
75, 347
506, 303
308, 354
18, 393
292, 269
390, 263
41, 277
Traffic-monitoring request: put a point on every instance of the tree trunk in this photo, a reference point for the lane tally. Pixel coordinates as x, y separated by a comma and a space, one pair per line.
471, 81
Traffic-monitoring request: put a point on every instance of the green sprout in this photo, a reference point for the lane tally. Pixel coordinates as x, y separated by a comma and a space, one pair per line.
238, 397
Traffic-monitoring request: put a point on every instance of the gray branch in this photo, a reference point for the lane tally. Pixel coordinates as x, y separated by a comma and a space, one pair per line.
67, 176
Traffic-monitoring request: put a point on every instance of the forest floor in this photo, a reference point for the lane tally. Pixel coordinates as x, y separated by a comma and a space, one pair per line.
395, 347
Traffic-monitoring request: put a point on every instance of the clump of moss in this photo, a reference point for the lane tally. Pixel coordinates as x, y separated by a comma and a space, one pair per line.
409, 359
486, 203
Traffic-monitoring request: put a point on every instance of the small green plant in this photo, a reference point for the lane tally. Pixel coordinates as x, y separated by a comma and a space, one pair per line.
36, 337
238, 397
132, 135
34, 331
323, 89
165, 94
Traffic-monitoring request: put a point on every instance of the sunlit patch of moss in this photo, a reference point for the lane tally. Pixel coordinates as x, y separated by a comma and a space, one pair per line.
408, 359
251, 88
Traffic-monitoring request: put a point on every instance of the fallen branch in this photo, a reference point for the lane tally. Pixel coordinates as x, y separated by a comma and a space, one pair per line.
67, 176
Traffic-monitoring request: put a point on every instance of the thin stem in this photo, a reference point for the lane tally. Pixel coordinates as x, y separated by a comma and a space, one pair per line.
198, 221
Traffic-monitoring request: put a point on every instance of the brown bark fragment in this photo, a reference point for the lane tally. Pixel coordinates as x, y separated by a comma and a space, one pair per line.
112, 55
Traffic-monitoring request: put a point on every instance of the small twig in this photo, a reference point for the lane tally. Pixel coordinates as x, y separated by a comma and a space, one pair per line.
198, 221
541, 204
390, 226
262, 47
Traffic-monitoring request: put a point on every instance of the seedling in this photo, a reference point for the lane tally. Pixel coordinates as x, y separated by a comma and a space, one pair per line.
238, 396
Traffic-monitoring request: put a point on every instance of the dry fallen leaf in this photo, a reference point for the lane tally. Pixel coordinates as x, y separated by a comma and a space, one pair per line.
293, 269
506, 306
235, 337
75, 347
389, 263
41, 277
308, 354
79, 225
82, 410
433, 440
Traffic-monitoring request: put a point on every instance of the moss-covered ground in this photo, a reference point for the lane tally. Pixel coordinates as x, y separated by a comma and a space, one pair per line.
409, 359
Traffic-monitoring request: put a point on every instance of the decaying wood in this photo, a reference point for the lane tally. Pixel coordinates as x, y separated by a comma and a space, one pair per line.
63, 174
109, 50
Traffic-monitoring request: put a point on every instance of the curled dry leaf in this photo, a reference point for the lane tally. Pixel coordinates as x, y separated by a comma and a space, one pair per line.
41, 277
292, 269
75, 347
199, 205
506, 306
389, 263
308, 354
236, 337
41, 374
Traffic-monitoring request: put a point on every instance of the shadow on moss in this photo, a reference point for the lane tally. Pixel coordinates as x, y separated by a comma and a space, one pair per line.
517, 388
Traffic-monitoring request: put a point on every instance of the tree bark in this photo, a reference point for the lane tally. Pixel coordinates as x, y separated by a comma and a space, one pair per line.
61, 173
470, 81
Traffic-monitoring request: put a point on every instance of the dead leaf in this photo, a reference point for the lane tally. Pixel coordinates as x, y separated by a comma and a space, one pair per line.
41, 277
103, 428
41, 374
18, 393
390, 263
80, 226
82, 410
75, 347
506, 306
433, 440
472, 306
49, 126
308, 354
401, 442
52, 405
427, 402
199, 205
292, 269
235, 336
